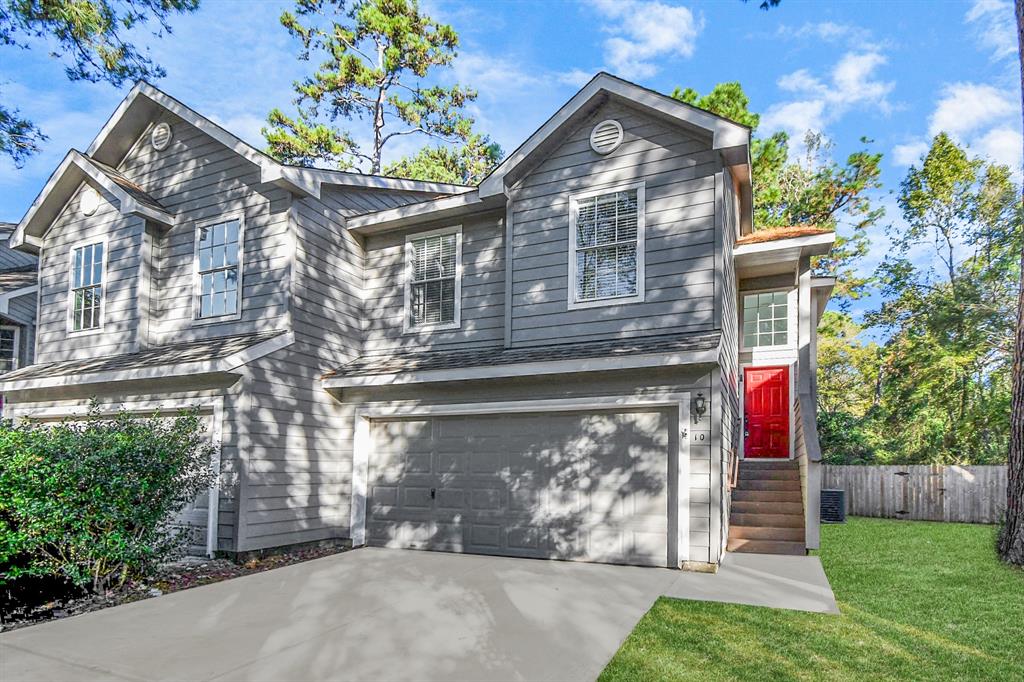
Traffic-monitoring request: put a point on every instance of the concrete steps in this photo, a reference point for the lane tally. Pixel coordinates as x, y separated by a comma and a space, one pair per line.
767, 514
766, 547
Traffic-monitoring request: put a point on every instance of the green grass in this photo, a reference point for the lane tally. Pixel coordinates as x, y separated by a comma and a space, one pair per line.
920, 601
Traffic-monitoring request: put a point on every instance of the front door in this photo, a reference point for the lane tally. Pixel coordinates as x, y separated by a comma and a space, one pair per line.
766, 412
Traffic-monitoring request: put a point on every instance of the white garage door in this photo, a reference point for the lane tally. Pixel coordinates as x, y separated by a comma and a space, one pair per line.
587, 486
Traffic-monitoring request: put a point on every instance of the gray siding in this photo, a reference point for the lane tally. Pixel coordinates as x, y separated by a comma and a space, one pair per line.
295, 475
679, 175
22, 311
200, 180
483, 290
119, 333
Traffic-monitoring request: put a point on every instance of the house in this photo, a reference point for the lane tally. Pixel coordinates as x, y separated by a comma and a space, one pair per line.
551, 364
17, 304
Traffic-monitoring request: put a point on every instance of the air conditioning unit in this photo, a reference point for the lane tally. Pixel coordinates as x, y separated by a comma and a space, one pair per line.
833, 506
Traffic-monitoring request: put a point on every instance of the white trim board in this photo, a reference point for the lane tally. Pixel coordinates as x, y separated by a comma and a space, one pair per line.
223, 365
68, 177
211, 406
523, 369
365, 414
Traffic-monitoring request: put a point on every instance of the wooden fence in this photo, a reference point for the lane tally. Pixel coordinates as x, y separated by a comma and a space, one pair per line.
972, 494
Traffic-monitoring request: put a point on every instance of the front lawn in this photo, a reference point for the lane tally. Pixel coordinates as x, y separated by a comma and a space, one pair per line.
919, 601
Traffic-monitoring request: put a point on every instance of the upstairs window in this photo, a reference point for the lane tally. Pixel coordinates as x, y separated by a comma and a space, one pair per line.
433, 279
8, 349
218, 268
765, 319
606, 247
87, 270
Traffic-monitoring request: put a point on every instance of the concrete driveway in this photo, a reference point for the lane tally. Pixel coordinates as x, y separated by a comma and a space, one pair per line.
376, 614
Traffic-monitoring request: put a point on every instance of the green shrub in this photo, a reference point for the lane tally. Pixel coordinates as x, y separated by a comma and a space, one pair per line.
93, 501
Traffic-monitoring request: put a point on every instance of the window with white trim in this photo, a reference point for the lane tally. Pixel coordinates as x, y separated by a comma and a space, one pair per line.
433, 279
8, 349
606, 247
87, 272
218, 262
765, 319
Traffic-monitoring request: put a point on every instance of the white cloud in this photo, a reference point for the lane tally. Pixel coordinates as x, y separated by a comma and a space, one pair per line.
645, 31
492, 75
965, 107
853, 82
993, 27
1001, 145
910, 153
826, 31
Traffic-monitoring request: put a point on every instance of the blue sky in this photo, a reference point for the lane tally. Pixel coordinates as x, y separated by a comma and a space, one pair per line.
895, 72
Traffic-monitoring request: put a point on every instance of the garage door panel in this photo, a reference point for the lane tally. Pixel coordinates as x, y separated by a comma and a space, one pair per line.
588, 486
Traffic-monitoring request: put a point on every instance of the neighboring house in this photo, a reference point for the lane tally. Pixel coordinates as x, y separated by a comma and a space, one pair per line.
18, 298
551, 364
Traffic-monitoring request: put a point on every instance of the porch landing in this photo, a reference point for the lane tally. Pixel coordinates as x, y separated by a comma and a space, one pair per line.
773, 580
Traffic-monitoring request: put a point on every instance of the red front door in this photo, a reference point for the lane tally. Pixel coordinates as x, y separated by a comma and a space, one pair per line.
766, 412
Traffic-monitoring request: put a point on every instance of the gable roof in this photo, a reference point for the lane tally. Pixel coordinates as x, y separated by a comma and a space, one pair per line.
143, 102
140, 107
731, 138
75, 169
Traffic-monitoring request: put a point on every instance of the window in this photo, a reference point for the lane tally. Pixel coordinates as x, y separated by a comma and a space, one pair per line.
8, 349
87, 269
606, 249
218, 268
765, 319
433, 279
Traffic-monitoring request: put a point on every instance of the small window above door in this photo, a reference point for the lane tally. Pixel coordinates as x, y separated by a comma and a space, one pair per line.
766, 319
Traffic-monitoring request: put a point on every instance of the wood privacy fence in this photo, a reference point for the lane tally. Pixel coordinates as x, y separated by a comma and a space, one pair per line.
971, 494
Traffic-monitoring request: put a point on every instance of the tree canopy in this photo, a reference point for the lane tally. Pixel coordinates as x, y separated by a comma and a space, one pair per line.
91, 42
373, 57
812, 190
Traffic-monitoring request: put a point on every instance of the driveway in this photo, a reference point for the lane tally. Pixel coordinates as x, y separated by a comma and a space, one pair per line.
377, 614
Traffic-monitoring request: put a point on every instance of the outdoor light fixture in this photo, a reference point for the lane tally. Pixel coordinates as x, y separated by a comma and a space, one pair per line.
700, 405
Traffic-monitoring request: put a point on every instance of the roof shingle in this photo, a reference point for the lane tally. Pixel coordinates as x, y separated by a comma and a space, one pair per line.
171, 354
19, 278
368, 365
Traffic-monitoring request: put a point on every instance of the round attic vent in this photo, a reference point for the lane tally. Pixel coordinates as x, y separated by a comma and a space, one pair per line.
606, 137
160, 137
89, 201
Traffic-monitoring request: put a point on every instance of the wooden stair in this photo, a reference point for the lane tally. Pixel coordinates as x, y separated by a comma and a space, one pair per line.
767, 514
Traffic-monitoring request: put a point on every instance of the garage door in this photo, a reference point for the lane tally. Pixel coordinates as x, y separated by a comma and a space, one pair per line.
586, 486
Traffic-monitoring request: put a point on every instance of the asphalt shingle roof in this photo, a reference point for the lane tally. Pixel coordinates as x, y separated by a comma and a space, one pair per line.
431, 360
171, 354
134, 190
11, 280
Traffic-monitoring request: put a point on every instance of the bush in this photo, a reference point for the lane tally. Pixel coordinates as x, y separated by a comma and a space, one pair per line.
93, 501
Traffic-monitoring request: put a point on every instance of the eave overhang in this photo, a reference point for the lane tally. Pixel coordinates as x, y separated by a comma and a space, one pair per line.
731, 139
224, 366
75, 169
524, 369
781, 254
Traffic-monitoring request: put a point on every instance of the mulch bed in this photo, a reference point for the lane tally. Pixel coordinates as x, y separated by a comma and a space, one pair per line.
29, 604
